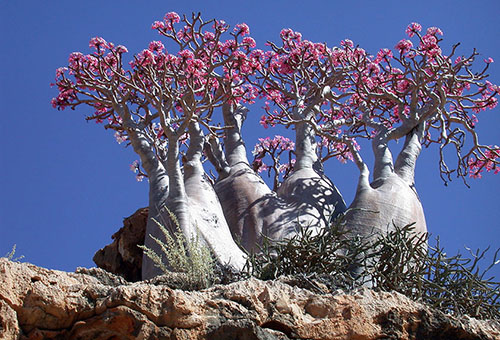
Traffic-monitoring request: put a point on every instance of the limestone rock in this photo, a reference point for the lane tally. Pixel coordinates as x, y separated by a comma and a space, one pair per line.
123, 257
36, 303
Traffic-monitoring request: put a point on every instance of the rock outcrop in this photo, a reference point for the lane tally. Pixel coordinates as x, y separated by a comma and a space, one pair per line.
122, 256
37, 303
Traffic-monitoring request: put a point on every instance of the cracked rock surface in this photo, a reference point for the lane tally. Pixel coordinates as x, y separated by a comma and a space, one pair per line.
122, 256
37, 303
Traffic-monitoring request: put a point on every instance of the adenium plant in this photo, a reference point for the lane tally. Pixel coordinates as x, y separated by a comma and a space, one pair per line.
161, 101
413, 92
184, 100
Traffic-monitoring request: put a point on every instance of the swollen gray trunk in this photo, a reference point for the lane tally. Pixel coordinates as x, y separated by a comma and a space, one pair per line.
391, 198
252, 209
194, 204
307, 190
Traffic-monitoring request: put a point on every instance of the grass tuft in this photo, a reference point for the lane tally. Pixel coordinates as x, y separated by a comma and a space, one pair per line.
182, 255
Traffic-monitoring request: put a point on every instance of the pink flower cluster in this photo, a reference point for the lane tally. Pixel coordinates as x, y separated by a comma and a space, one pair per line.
274, 148
135, 168
429, 45
343, 83
168, 22
384, 54
220, 26
489, 161
241, 29
99, 43
268, 144
290, 35
413, 28
404, 46
156, 46
120, 137
64, 98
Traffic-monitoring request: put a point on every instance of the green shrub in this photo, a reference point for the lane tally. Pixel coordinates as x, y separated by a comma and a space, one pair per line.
181, 255
328, 252
398, 261
10, 255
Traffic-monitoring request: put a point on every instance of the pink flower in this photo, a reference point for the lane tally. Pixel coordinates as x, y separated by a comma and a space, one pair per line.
186, 54
111, 60
134, 166
429, 44
289, 34
346, 43
75, 59
121, 49
228, 46
263, 167
413, 28
92, 62
220, 25
60, 71
402, 85
172, 17
242, 29
120, 139
434, 31
263, 121
338, 56
488, 60
359, 53
373, 68
491, 102
146, 57
382, 54
156, 46
98, 43
209, 36
249, 41
285, 143
158, 25
185, 34
404, 46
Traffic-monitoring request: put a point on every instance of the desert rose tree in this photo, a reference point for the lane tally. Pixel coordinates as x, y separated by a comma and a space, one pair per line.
177, 107
416, 93
161, 104
165, 106
305, 197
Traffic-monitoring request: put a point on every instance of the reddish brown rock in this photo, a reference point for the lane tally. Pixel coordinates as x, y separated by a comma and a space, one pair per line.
123, 257
36, 303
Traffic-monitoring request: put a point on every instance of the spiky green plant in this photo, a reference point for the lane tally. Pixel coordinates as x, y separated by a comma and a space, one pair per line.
400, 260
182, 255
11, 255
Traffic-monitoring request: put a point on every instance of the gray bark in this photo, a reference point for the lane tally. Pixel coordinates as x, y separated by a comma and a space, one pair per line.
204, 206
158, 193
390, 199
250, 206
176, 201
193, 201
252, 209
307, 190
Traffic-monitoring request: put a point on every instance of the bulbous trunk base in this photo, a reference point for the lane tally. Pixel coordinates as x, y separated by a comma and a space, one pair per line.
314, 197
386, 202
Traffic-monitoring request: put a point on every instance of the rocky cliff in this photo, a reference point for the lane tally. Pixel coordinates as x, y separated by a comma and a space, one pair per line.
37, 303
122, 256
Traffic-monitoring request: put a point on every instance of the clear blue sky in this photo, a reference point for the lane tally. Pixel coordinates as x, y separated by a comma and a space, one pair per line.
66, 184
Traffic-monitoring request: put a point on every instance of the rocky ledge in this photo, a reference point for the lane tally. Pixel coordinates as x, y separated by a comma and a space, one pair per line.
37, 303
